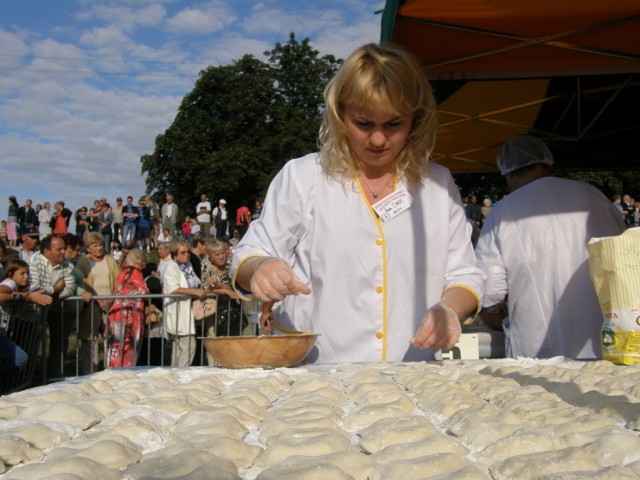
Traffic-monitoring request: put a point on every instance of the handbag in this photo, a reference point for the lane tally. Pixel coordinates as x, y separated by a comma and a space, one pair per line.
204, 308
151, 314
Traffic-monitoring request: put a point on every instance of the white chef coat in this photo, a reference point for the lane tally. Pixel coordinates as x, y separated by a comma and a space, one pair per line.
533, 246
372, 282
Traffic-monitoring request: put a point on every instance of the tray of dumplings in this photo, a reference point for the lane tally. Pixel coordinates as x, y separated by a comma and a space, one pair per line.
456, 419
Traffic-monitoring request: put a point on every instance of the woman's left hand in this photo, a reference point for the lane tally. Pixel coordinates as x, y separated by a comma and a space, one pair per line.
440, 328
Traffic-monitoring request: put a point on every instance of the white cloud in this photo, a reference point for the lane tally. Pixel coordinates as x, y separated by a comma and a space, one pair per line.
203, 19
110, 37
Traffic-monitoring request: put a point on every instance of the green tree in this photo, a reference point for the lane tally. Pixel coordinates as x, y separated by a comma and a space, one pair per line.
240, 124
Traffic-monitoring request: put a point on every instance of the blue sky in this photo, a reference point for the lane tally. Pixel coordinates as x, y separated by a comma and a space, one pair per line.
86, 86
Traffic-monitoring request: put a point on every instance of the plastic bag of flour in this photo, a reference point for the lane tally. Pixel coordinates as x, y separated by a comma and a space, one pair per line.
614, 263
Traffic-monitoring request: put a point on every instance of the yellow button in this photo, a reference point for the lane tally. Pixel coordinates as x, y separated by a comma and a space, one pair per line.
379, 241
379, 289
379, 335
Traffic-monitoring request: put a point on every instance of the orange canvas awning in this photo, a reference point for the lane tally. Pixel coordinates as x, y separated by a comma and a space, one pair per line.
563, 70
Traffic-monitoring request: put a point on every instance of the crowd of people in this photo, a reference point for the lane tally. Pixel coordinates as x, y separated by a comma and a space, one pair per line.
110, 254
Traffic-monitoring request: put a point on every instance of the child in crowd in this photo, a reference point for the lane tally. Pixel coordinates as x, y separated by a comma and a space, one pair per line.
195, 227
186, 228
116, 250
14, 287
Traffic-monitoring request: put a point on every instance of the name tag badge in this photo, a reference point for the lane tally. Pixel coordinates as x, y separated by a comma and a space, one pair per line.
393, 205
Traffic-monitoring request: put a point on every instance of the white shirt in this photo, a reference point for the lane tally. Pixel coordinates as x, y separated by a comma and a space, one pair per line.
372, 282
223, 212
204, 217
533, 246
178, 317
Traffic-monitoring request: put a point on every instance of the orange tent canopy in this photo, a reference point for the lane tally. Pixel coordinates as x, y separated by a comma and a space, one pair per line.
564, 70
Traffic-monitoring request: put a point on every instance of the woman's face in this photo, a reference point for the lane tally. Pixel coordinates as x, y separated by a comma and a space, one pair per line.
95, 250
376, 138
21, 277
182, 255
219, 259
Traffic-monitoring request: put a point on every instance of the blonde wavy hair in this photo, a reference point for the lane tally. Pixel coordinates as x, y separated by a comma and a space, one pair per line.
389, 78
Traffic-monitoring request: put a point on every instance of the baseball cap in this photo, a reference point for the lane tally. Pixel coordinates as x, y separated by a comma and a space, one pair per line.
523, 151
222, 200
31, 232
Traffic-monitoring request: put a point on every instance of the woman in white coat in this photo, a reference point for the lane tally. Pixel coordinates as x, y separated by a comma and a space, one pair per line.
367, 241
179, 279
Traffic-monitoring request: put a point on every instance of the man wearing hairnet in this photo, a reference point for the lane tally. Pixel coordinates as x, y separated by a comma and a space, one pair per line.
533, 247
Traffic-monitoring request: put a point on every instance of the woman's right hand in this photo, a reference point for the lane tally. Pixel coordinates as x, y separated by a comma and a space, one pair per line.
273, 279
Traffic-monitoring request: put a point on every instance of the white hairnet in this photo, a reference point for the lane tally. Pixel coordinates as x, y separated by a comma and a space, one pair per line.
522, 151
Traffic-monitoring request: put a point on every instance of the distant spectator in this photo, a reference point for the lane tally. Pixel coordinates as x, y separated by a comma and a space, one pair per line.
94, 214
27, 216
474, 216
485, 209
195, 227
117, 219
83, 222
243, 218
44, 220
257, 210
185, 228
143, 226
154, 214
60, 218
203, 214
221, 219
628, 206
12, 222
105, 220
169, 214
129, 220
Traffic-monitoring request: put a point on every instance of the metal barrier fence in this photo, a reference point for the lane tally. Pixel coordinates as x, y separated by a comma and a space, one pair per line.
77, 340
24, 325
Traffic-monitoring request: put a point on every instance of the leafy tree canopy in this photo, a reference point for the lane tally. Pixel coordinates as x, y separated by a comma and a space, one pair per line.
240, 124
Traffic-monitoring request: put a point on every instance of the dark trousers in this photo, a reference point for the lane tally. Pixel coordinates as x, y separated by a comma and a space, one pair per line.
59, 331
116, 233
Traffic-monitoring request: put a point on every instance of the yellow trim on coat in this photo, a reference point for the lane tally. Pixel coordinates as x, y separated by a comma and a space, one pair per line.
235, 274
473, 292
385, 293
278, 327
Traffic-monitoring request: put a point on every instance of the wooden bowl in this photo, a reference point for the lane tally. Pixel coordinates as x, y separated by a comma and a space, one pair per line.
267, 351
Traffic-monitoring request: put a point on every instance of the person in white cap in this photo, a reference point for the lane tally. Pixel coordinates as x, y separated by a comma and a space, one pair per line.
221, 219
533, 247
